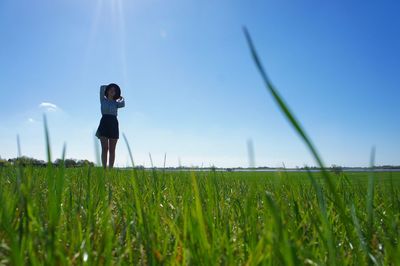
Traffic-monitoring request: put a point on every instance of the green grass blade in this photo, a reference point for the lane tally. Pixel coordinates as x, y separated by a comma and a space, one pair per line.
281, 103
135, 185
299, 130
199, 214
19, 146
370, 206
96, 150
370, 193
328, 234
47, 138
129, 150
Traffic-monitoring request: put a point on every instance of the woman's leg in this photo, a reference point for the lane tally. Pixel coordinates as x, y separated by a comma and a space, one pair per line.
113, 143
104, 151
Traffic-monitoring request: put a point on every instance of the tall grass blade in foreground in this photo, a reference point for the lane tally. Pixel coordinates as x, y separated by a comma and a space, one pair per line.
370, 204
299, 130
47, 138
281, 103
288, 114
134, 184
96, 150
129, 150
370, 194
19, 146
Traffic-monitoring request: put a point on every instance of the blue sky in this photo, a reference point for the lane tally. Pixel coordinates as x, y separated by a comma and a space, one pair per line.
191, 88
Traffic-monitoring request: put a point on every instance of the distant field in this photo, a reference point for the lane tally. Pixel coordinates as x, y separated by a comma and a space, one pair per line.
59, 216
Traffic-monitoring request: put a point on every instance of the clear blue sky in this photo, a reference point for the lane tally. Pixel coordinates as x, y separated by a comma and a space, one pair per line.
191, 88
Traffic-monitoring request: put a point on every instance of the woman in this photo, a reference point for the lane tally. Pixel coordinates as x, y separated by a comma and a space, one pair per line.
108, 132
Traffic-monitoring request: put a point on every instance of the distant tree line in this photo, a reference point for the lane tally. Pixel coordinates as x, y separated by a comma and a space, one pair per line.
28, 161
25, 161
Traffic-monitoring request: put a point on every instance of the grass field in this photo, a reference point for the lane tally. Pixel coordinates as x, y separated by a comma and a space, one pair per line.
63, 216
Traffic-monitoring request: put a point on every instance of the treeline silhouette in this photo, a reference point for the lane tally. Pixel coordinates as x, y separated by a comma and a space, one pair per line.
28, 161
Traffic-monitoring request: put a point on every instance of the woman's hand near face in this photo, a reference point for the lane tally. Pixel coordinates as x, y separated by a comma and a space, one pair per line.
120, 102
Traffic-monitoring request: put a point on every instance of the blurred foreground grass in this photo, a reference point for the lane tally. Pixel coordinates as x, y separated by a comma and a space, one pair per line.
87, 215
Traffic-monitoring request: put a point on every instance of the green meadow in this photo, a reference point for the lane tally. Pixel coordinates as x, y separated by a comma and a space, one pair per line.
59, 216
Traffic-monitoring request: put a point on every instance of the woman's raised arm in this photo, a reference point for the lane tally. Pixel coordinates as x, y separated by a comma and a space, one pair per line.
102, 91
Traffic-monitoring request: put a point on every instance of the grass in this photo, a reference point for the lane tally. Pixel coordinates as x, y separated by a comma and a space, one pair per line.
96, 217
60, 216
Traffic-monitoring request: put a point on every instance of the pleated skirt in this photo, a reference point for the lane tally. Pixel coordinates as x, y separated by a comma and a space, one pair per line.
108, 127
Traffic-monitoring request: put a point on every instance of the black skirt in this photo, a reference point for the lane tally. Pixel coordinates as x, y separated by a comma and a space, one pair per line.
108, 127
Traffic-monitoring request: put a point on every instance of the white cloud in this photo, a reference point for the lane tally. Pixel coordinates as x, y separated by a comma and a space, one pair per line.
50, 107
31, 120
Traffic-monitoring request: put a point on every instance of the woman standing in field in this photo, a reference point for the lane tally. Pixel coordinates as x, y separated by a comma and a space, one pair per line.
108, 131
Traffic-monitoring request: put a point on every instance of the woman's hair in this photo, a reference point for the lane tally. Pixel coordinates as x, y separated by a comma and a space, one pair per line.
117, 90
